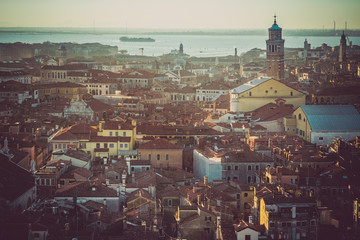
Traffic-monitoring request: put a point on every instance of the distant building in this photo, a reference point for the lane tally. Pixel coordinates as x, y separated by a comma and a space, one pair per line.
342, 49
275, 53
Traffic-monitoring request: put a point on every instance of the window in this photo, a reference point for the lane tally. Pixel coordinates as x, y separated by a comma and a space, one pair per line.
124, 134
110, 134
169, 202
299, 117
116, 134
121, 145
249, 179
288, 224
245, 194
272, 224
47, 182
321, 138
105, 145
126, 145
158, 157
249, 167
266, 91
312, 222
303, 224
132, 169
55, 146
275, 91
167, 157
250, 94
229, 168
98, 145
111, 145
238, 196
291, 93
208, 218
64, 146
236, 167
298, 224
149, 156
247, 237
283, 224
257, 167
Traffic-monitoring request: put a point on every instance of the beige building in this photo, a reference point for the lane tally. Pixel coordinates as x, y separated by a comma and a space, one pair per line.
161, 153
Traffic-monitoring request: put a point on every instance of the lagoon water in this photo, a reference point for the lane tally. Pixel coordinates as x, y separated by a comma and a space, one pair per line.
194, 45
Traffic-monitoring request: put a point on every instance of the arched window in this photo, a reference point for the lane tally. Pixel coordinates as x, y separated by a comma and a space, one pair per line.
299, 117
291, 93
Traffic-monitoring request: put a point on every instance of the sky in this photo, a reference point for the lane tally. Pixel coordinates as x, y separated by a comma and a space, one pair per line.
180, 14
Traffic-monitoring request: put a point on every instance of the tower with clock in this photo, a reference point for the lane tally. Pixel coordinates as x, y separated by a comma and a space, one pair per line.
275, 53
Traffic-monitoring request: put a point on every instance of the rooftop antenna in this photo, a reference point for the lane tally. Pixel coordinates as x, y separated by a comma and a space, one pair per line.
334, 26
345, 25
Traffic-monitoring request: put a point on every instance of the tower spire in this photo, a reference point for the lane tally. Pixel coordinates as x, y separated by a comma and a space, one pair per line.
275, 18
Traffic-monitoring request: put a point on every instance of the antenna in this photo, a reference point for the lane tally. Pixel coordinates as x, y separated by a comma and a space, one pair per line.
334, 26
345, 25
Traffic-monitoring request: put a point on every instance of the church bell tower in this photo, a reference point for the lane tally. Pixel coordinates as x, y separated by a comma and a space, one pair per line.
275, 53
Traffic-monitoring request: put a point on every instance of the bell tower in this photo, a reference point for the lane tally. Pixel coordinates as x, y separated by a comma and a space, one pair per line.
275, 53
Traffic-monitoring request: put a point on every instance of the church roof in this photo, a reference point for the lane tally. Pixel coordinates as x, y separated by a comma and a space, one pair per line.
275, 27
250, 84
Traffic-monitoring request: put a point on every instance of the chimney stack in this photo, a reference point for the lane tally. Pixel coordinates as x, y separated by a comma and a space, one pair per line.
206, 180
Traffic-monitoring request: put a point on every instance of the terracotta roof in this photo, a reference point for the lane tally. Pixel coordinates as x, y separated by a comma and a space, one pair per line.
98, 106
14, 180
159, 143
243, 225
85, 189
271, 112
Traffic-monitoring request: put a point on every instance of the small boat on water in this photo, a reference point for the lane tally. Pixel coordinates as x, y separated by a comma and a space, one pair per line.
128, 39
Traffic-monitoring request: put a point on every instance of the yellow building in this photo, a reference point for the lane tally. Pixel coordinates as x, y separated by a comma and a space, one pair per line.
107, 139
260, 91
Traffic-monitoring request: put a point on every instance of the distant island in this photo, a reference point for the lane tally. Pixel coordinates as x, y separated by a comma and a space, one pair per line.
127, 39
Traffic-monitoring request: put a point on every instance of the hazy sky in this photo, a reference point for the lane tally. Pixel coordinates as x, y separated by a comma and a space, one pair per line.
180, 14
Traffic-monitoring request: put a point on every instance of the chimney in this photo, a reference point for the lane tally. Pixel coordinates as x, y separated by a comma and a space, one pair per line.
206, 180
133, 177
250, 219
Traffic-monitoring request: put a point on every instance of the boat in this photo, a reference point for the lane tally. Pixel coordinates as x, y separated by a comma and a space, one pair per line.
127, 39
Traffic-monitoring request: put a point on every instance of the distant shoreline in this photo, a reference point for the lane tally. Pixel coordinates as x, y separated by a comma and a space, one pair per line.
230, 32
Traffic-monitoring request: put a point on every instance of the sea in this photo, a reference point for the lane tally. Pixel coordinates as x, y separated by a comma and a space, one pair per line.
194, 45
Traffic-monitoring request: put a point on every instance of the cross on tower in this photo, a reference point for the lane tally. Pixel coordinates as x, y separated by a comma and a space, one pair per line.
275, 18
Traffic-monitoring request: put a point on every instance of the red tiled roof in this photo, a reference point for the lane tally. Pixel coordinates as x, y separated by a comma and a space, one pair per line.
85, 189
98, 106
271, 111
159, 143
